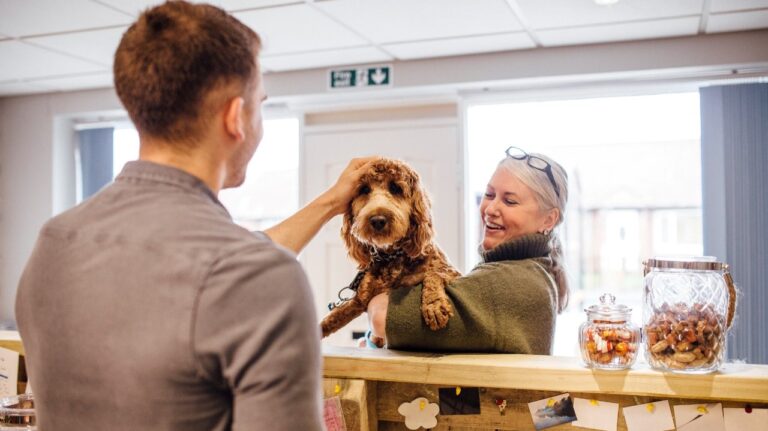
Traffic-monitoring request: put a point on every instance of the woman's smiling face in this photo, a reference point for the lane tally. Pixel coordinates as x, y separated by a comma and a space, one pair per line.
510, 210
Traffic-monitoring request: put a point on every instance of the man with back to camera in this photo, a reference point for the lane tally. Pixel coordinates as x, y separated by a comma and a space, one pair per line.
145, 307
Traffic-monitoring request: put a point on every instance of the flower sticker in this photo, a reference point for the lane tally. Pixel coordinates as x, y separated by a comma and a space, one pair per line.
419, 413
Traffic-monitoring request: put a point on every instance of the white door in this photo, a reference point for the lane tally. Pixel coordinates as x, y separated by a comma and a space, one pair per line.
431, 147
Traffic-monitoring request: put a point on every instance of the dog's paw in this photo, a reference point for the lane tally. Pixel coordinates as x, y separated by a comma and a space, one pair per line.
326, 329
437, 313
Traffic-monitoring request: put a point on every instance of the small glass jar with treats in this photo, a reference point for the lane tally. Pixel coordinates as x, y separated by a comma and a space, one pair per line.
608, 339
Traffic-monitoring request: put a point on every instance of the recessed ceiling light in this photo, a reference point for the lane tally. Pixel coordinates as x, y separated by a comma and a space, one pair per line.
605, 2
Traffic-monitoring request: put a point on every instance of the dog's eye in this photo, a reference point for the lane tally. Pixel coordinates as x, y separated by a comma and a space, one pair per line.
395, 189
364, 189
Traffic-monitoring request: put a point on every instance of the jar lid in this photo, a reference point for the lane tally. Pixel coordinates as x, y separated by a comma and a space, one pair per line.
702, 263
608, 310
17, 405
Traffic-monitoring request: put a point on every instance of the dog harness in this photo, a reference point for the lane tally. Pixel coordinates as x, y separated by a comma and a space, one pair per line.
377, 257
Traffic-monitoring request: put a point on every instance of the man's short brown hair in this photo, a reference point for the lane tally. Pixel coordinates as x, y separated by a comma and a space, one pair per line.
172, 57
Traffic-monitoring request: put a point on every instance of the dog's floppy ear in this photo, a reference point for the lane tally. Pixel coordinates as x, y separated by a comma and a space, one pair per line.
420, 231
356, 249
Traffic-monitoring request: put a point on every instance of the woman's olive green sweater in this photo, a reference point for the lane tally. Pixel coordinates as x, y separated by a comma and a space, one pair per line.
506, 304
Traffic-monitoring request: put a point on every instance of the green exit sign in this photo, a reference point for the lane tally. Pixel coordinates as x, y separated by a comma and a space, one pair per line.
364, 77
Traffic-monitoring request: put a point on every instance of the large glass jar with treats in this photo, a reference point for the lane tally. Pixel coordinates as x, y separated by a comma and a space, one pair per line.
689, 304
608, 340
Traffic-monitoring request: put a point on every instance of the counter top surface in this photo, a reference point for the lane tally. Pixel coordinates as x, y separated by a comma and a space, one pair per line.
735, 381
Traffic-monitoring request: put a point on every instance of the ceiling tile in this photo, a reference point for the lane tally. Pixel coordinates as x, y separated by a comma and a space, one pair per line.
250, 4
134, 7
408, 20
459, 46
542, 14
736, 21
311, 60
23, 61
77, 82
618, 32
131, 7
16, 88
35, 17
94, 45
297, 28
732, 5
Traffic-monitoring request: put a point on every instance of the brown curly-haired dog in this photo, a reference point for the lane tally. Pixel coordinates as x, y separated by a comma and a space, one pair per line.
388, 231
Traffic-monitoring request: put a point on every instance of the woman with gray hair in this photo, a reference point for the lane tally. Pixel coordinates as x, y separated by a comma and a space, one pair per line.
510, 301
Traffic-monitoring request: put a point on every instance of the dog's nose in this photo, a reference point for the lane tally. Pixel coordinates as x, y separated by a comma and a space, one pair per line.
378, 222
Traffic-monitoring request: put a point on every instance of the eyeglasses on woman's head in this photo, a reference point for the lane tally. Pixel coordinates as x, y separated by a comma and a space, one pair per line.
536, 163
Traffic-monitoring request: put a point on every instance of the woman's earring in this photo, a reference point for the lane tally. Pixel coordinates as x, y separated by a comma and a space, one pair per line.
545, 231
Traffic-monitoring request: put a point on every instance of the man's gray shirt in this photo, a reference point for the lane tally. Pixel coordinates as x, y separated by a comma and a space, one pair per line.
146, 307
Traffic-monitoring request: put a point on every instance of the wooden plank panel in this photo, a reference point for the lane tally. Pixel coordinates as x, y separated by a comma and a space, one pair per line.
516, 415
738, 382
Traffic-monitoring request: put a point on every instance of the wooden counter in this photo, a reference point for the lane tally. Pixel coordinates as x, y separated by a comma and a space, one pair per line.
385, 378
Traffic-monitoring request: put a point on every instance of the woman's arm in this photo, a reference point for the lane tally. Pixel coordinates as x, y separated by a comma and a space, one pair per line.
297, 230
508, 306
377, 318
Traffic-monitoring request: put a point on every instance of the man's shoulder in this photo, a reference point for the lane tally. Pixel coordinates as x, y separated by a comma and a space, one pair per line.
253, 246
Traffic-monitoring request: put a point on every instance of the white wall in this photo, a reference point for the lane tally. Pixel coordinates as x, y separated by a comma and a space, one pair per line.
36, 166
36, 154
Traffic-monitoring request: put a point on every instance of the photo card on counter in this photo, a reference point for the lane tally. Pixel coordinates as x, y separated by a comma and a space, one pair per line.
552, 411
459, 401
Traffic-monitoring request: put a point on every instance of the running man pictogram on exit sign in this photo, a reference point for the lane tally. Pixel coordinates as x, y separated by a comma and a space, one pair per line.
364, 77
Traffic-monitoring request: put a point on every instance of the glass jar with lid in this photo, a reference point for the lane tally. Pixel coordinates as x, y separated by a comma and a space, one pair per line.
608, 339
17, 413
688, 306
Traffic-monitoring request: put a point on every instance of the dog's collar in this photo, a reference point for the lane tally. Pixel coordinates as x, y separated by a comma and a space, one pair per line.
386, 257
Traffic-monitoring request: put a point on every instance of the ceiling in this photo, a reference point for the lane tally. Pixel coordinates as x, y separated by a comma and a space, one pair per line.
63, 45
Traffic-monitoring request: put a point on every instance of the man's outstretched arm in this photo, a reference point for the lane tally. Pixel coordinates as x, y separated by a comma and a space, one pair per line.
296, 231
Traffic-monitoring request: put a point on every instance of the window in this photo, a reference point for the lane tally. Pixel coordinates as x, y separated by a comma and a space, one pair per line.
270, 192
634, 171
271, 189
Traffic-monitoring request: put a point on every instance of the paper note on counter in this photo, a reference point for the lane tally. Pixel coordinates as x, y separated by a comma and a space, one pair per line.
9, 372
699, 417
599, 415
740, 419
649, 417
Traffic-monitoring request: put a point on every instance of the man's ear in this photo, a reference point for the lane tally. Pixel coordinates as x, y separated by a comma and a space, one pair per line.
234, 118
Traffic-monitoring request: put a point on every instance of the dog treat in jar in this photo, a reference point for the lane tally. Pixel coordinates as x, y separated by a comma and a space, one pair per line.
608, 339
688, 307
